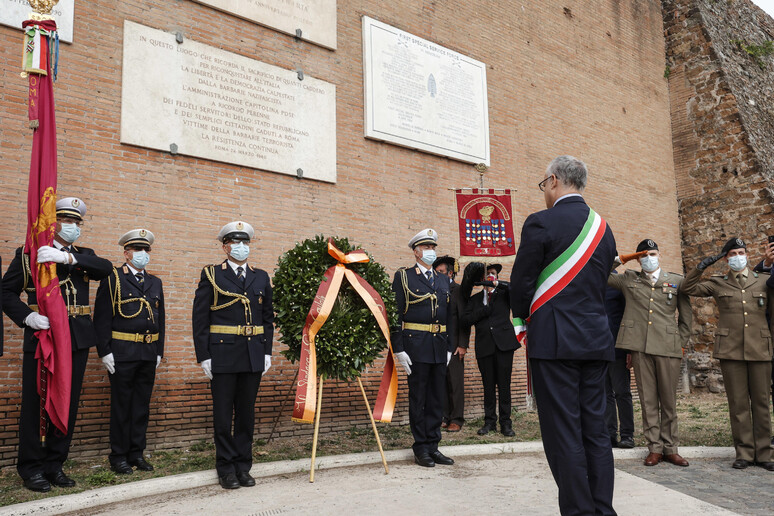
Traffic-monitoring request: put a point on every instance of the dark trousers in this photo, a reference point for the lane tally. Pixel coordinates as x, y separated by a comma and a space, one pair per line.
496, 372
454, 406
130, 393
32, 457
619, 396
426, 392
233, 400
570, 397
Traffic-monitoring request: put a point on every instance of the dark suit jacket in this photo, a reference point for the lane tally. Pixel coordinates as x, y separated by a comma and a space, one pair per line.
461, 338
89, 267
615, 304
422, 346
573, 325
494, 327
107, 318
233, 353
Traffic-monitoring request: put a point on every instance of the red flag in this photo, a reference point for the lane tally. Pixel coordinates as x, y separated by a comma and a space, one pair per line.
54, 348
485, 225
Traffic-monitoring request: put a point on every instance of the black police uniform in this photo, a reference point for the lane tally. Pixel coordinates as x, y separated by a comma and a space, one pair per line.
129, 320
233, 326
423, 333
74, 281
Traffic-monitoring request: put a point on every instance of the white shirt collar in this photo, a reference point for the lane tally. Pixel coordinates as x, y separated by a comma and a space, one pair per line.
653, 276
566, 196
422, 268
234, 266
134, 271
58, 245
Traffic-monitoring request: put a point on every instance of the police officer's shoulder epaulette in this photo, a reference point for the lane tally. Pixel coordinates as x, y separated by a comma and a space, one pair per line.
673, 274
125, 269
718, 276
402, 268
223, 265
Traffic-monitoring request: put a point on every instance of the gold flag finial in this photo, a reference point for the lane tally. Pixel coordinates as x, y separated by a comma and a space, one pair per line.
42, 6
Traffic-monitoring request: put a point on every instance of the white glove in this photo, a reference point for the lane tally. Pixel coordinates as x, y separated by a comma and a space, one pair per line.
617, 261
109, 362
50, 254
448, 357
37, 321
207, 367
158, 361
266, 363
404, 360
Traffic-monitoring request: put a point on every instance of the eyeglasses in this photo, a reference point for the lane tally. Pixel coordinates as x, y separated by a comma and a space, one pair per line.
542, 184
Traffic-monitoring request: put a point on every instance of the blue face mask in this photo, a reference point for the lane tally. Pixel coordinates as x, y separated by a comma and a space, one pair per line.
69, 232
428, 256
140, 259
737, 263
240, 251
649, 263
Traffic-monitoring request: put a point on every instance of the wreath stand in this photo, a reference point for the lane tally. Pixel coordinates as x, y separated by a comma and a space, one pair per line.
317, 426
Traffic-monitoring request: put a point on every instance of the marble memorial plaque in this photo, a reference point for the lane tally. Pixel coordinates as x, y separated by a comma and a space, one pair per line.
198, 100
14, 12
316, 19
424, 96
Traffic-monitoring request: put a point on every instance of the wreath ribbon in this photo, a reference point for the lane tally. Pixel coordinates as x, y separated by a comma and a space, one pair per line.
306, 388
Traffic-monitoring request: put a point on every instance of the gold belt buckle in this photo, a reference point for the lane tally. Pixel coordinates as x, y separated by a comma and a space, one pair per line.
248, 330
148, 338
435, 328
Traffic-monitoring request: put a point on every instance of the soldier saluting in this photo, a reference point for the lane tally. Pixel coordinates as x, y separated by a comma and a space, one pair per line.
40, 467
233, 330
129, 319
743, 346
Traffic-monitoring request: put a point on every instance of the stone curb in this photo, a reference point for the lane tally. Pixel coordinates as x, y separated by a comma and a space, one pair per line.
164, 485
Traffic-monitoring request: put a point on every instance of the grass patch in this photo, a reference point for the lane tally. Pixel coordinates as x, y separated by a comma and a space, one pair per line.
702, 419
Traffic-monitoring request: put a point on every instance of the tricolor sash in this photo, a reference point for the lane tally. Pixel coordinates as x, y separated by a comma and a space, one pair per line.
559, 273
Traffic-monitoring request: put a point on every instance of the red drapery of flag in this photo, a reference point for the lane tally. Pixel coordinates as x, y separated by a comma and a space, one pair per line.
54, 348
485, 225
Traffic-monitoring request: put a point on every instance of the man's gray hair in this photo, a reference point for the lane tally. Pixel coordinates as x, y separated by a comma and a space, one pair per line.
570, 171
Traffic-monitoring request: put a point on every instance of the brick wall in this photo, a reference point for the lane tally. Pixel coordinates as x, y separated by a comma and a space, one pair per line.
584, 78
722, 122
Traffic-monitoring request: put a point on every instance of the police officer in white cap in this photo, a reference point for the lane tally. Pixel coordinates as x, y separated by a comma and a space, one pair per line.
422, 345
40, 467
129, 319
233, 331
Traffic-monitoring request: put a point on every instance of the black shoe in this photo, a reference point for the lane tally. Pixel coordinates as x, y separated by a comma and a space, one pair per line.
228, 481
440, 458
424, 460
507, 429
486, 429
59, 479
626, 442
141, 464
768, 466
37, 483
122, 468
245, 480
741, 464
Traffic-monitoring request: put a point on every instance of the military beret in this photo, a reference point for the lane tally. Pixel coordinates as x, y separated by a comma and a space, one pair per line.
647, 245
137, 237
495, 266
236, 230
734, 243
450, 262
426, 236
71, 207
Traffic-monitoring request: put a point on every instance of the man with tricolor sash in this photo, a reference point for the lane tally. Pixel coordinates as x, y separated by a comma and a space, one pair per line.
233, 330
422, 345
558, 290
655, 328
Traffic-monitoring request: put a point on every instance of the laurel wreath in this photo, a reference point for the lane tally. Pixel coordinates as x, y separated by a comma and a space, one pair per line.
350, 340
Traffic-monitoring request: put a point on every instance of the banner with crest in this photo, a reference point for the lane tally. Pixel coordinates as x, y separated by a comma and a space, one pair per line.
485, 221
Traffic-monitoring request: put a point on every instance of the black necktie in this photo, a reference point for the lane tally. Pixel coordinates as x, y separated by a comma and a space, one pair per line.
140, 278
241, 274
430, 277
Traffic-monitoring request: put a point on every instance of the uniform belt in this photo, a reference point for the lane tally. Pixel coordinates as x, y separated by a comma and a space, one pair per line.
236, 330
136, 337
432, 328
72, 310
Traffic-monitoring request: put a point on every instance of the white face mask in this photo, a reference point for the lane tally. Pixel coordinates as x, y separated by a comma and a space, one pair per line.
738, 262
428, 256
649, 263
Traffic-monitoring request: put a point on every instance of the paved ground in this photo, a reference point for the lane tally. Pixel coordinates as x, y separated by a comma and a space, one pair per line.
749, 491
499, 484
